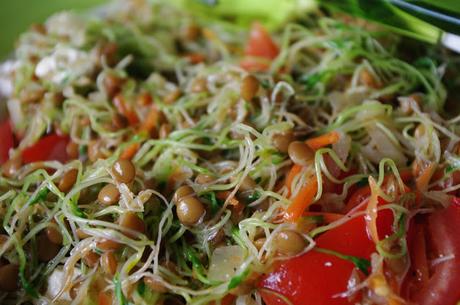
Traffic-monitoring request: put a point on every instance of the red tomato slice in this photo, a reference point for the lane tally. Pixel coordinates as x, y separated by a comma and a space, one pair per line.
6, 140
260, 44
260, 50
52, 147
318, 278
443, 288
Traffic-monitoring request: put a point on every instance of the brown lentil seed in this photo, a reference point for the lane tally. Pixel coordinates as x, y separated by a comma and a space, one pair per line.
108, 245
109, 51
144, 99
109, 263
369, 80
258, 243
130, 220
190, 210
46, 250
108, 195
248, 184
249, 87
3, 239
95, 151
54, 235
281, 141
119, 121
72, 150
199, 85
289, 243
204, 179
33, 96
12, 166
300, 153
192, 32
113, 84
124, 171
172, 96
91, 258
182, 192
68, 180
74, 290
9, 275
81, 234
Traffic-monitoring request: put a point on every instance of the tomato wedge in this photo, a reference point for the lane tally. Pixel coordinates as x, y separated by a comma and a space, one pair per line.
6, 140
51, 147
443, 287
260, 44
319, 278
260, 49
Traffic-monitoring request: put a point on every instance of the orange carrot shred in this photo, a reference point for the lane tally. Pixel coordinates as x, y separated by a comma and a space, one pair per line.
130, 151
195, 58
423, 180
123, 109
224, 195
151, 121
302, 200
295, 170
104, 298
323, 140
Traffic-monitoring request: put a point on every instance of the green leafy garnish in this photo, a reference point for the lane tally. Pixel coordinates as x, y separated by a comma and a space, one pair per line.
236, 280
361, 263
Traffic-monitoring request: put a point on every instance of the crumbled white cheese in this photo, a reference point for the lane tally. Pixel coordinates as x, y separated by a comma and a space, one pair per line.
65, 64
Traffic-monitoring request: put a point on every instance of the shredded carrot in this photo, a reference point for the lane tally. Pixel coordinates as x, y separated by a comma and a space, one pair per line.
371, 210
151, 120
223, 195
327, 217
302, 200
130, 151
123, 109
195, 58
104, 298
423, 180
295, 170
323, 140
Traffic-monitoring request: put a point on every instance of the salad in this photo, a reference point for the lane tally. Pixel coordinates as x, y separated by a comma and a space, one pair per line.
149, 156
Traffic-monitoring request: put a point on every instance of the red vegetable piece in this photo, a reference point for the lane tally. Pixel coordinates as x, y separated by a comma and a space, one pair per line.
51, 147
319, 278
6, 140
443, 286
260, 44
260, 50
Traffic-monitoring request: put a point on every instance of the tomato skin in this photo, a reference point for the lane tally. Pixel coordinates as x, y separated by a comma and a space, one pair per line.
260, 50
48, 148
318, 278
443, 287
6, 140
260, 44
